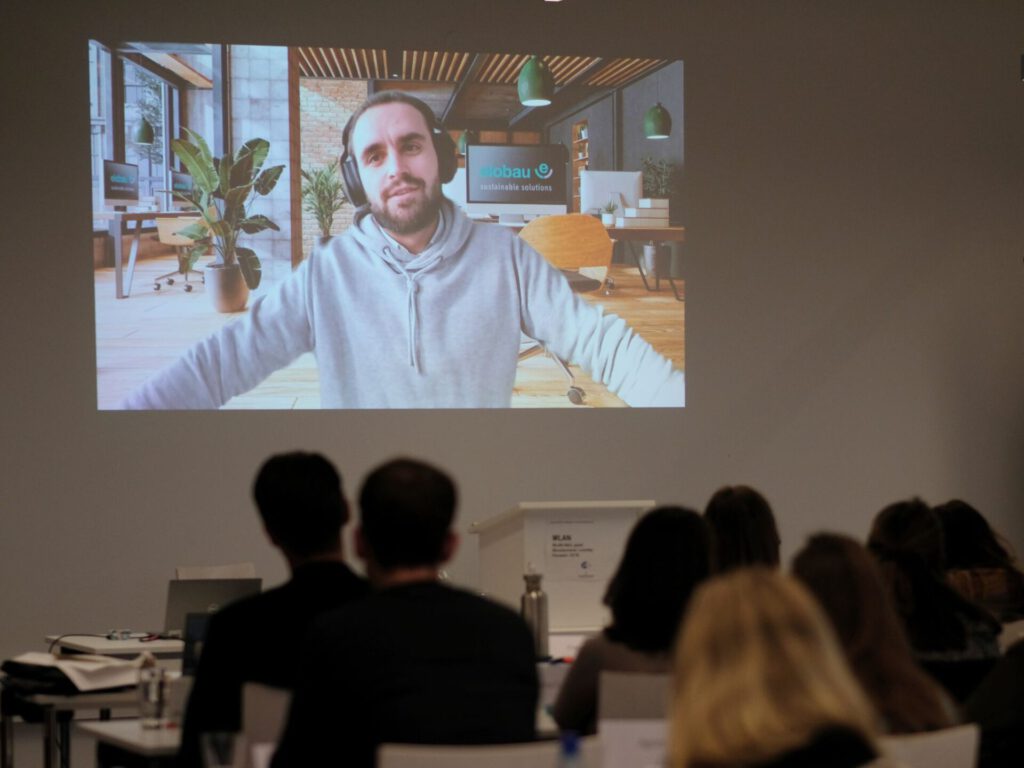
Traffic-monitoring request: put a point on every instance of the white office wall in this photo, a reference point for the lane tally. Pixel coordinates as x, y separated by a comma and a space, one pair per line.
855, 322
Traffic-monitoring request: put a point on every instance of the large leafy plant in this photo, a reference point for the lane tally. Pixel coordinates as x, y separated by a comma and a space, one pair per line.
223, 190
658, 176
323, 195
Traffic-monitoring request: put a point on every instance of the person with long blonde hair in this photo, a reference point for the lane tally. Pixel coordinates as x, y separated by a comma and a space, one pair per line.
760, 680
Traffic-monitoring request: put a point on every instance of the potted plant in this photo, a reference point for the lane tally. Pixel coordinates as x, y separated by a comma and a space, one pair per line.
223, 191
658, 181
608, 213
323, 195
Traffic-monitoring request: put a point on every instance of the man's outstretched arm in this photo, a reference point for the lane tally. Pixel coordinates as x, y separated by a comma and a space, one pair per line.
275, 331
603, 344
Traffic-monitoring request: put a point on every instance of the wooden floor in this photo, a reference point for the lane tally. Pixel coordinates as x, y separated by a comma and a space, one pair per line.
139, 335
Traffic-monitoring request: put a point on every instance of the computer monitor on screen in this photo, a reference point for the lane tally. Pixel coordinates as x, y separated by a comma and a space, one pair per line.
120, 184
516, 182
181, 184
598, 188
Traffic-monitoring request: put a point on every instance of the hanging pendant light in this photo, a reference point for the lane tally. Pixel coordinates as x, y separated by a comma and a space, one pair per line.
536, 83
143, 132
657, 122
468, 137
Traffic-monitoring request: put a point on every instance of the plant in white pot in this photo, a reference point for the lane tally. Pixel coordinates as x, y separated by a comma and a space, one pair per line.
608, 213
223, 191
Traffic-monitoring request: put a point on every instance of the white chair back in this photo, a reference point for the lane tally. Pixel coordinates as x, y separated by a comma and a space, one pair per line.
230, 571
1013, 632
632, 711
955, 747
534, 754
264, 712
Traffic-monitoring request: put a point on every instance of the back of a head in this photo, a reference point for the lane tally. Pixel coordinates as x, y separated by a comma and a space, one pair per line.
406, 512
758, 673
300, 499
744, 528
970, 540
667, 555
845, 579
909, 530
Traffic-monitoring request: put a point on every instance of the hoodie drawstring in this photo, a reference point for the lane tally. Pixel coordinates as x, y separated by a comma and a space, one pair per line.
413, 316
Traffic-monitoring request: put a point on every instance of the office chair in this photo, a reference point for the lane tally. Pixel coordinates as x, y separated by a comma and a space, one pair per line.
578, 245
167, 233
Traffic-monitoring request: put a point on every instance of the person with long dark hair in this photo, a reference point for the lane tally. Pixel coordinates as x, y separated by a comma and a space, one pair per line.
845, 579
978, 564
667, 555
744, 528
954, 638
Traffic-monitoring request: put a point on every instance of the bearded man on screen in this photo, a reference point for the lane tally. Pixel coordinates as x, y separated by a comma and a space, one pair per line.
415, 305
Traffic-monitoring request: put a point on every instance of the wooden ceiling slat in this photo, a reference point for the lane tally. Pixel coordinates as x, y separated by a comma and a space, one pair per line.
460, 72
325, 61
337, 63
443, 67
305, 65
510, 68
316, 62
366, 64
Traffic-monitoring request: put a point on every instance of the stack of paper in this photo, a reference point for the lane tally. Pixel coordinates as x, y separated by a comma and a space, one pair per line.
89, 673
650, 212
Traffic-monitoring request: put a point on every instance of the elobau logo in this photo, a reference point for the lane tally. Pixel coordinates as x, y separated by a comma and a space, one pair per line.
542, 171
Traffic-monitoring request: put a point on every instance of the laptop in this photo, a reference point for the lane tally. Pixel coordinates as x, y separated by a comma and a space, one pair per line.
185, 596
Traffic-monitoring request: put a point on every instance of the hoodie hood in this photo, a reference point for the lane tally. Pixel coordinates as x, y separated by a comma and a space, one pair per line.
455, 228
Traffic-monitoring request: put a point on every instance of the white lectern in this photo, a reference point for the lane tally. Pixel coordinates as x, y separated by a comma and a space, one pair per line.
576, 545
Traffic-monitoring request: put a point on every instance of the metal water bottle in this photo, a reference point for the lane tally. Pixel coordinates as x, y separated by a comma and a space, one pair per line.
534, 608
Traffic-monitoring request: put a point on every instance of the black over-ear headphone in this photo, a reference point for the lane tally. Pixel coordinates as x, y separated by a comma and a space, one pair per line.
444, 146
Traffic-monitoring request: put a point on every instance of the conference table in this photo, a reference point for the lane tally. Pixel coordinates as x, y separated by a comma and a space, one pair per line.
118, 228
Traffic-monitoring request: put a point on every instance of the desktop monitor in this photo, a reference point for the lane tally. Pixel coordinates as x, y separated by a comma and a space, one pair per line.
516, 182
120, 183
181, 184
598, 188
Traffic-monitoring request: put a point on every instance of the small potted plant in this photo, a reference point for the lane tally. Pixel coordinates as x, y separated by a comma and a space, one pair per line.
608, 213
223, 191
323, 196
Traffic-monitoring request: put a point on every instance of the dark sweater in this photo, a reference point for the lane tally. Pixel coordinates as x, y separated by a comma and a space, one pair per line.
417, 663
257, 639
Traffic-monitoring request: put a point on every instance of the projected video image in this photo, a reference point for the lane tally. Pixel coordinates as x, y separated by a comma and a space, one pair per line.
493, 230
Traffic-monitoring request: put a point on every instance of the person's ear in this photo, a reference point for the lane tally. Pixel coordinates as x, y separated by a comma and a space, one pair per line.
362, 548
448, 547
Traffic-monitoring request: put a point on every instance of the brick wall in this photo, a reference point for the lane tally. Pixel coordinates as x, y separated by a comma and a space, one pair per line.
324, 107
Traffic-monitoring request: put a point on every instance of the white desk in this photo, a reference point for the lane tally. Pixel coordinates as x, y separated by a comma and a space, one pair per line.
155, 745
122, 649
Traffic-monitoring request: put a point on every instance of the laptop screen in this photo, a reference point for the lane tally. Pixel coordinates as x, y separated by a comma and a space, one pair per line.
185, 596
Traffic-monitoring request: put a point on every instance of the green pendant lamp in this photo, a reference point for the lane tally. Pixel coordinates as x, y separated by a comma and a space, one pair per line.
657, 122
468, 137
536, 83
143, 132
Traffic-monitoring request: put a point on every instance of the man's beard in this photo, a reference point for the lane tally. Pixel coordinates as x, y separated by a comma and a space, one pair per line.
412, 218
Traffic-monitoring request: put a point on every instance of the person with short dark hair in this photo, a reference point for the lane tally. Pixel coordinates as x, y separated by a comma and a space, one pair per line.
414, 305
978, 564
845, 579
301, 502
744, 528
668, 554
417, 661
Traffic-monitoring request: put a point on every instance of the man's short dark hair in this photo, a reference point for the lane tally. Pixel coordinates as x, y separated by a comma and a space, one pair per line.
387, 97
406, 510
300, 499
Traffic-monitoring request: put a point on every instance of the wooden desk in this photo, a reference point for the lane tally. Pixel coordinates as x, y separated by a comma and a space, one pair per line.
632, 235
117, 229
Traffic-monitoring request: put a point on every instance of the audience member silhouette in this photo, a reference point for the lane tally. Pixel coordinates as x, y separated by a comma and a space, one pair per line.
300, 501
845, 579
954, 638
744, 528
667, 555
416, 661
978, 564
760, 680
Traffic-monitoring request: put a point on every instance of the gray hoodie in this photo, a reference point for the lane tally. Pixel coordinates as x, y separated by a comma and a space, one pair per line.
439, 329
